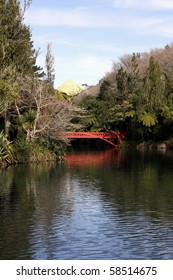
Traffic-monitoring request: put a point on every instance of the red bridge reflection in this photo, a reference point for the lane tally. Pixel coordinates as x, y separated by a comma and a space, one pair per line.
94, 158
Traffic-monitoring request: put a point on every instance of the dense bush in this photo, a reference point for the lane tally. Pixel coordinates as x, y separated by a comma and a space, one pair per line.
26, 151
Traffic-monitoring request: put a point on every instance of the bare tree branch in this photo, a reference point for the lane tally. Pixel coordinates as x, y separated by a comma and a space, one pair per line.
50, 114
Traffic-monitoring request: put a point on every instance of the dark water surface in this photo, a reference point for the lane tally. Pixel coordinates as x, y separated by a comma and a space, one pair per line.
103, 205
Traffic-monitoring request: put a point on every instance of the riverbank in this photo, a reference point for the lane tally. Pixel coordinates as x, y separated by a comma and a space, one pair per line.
22, 151
161, 145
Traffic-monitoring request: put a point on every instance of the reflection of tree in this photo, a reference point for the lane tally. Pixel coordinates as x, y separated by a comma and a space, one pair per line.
30, 200
142, 183
14, 230
6, 177
137, 181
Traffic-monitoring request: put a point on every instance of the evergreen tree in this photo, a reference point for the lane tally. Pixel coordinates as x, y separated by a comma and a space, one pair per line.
155, 89
16, 47
17, 56
121, 80
133, 78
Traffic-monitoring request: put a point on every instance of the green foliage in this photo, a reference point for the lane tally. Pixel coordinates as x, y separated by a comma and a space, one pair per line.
61, 95
137, 98
27, 119
98, 117
6, 150
104, 90
130, 114
153, 86
30, 107
147, 119
16, 46
7, 92
26, 151
56, 147
167, 112
22, 149
140, 98
122, 82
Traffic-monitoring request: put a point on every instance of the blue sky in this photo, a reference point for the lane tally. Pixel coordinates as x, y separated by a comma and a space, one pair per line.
88, 35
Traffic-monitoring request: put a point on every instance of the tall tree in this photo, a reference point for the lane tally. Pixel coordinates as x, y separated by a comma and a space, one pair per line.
16, 46
49, 63
17, 55
121, 80
153, 86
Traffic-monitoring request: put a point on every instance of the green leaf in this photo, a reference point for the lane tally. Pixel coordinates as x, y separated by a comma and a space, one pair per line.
167, 112
130, 114
147, 119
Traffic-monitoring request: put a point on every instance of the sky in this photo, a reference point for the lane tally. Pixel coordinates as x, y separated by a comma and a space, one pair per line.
87, 36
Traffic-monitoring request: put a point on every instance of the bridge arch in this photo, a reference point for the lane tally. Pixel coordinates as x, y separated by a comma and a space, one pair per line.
105, 136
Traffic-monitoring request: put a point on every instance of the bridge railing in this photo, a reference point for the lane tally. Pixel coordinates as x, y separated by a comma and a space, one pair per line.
74, 135
106, 136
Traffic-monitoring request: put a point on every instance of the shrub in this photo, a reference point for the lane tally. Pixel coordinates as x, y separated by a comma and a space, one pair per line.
26, 151
6, 150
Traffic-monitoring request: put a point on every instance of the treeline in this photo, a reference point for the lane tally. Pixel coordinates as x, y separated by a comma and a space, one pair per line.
30, 108
135, 97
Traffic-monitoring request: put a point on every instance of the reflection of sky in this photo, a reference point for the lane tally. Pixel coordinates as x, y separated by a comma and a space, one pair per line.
94, 230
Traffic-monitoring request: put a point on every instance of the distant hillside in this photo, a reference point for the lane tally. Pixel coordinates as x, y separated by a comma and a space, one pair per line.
90, 91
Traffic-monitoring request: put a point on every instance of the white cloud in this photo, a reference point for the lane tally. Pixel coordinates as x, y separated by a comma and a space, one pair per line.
146, 4
130, 20
163, 4
129, 3
78, 17
83, 18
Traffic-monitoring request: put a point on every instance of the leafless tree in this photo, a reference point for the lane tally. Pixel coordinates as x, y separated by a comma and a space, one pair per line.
41, 113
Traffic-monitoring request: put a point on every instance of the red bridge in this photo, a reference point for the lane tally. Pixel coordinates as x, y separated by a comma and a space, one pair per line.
109, 137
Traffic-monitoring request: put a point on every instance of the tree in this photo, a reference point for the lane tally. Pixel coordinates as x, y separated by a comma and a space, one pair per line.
15, 40
49, 63
105, 89
121, 80
17, 55
155, 84
41, 114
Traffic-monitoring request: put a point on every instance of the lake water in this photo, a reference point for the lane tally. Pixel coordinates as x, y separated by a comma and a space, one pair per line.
96, 205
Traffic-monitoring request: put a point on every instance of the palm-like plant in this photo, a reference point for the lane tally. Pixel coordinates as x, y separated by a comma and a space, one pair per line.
6, 150
27, 119
147, 119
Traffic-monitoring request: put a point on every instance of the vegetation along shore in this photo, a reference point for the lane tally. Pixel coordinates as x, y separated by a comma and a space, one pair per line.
135, 97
